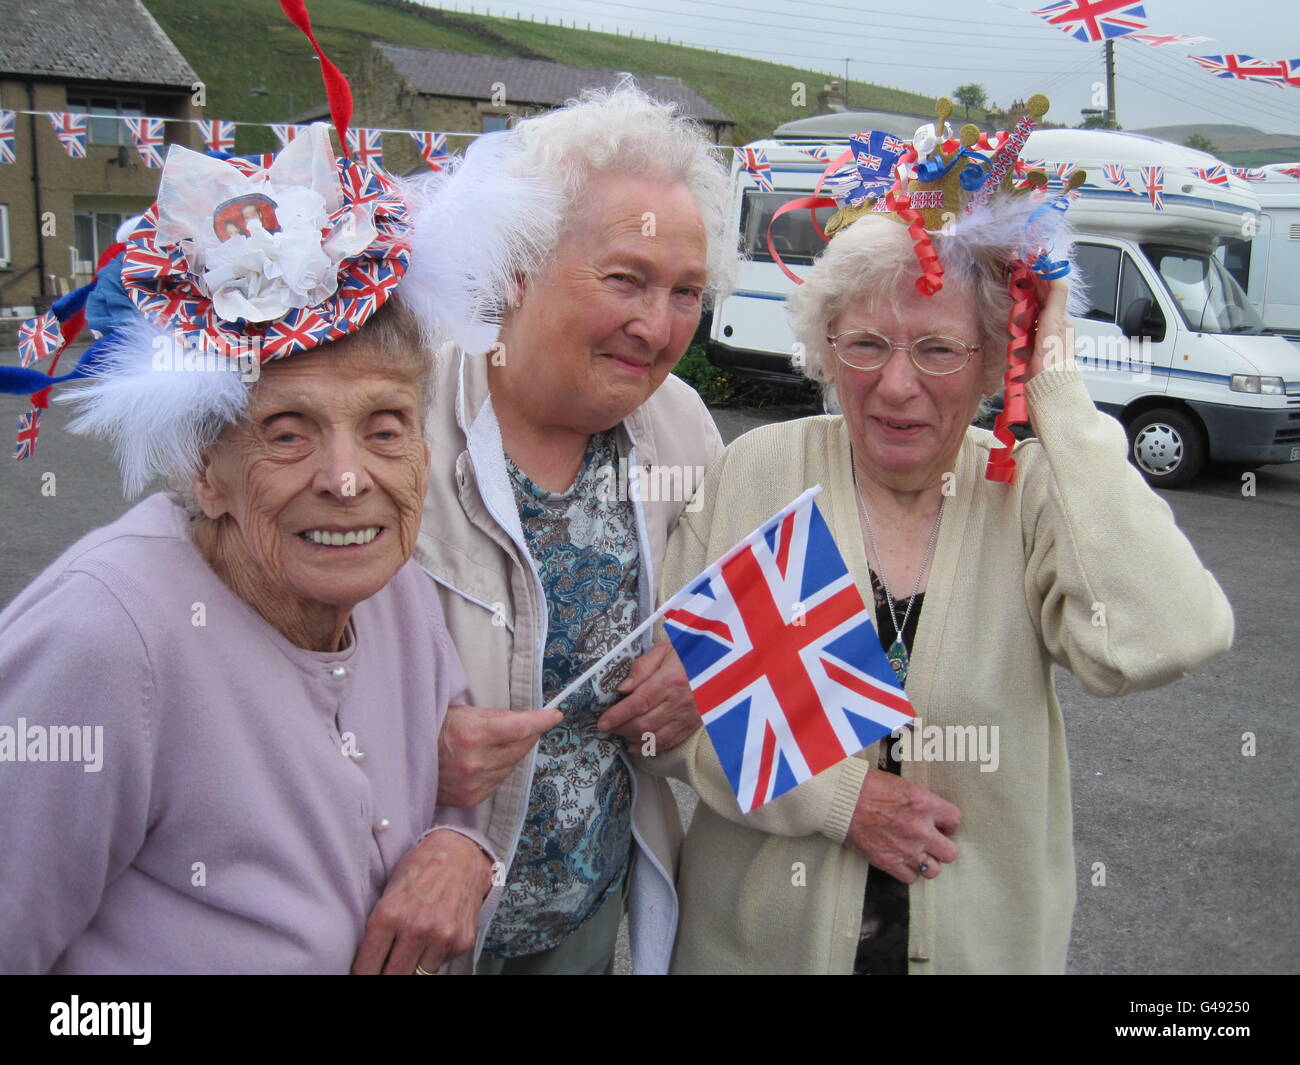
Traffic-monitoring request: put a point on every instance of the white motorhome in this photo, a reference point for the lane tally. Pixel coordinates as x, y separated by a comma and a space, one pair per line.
1170, 344
1268, 266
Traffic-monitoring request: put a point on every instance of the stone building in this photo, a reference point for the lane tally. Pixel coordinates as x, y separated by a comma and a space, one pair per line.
426, 89
108, 58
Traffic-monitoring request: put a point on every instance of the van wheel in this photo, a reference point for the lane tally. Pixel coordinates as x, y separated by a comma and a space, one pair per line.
1166, 446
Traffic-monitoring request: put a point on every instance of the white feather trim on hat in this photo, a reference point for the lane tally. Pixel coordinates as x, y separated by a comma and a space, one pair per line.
476, 229
157, 403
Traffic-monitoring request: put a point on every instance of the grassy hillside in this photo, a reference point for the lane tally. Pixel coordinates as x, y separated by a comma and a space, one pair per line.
238, 44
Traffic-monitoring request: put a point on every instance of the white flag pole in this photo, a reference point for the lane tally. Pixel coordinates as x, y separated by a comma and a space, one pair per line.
636, 633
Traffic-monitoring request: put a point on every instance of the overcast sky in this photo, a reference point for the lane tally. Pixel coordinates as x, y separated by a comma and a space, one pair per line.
940, 44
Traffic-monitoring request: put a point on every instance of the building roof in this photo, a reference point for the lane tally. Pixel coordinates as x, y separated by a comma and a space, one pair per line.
529, 81
839, 124
103, 40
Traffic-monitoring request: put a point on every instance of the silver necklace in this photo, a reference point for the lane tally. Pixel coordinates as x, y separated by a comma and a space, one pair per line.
897, 654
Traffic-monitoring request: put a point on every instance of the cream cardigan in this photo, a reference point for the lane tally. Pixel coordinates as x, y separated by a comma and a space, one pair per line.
1078, 563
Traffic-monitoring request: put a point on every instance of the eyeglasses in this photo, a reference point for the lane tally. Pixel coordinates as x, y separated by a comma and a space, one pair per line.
938, 356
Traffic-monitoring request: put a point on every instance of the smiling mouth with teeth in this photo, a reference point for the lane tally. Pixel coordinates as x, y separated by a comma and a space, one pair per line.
353, 537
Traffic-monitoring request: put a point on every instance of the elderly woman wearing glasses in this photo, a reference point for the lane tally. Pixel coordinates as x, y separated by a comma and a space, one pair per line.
914, 856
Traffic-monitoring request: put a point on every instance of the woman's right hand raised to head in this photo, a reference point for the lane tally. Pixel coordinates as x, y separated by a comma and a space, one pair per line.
903, 828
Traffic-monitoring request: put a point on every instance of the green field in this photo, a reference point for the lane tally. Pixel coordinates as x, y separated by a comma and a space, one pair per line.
238, 44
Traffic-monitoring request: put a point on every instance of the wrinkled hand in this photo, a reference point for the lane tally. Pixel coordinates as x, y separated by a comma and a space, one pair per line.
1054, 342
478, 747
898, 825
429, 910
658, 700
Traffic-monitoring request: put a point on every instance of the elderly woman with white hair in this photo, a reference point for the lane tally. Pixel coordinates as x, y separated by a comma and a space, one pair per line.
915, 856
562, 459
219, 738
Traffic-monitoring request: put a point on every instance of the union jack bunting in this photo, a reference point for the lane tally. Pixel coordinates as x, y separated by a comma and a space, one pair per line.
366, 147
432, 148
819, 151
147, 133
1114, 173
1159, 40
38, 337
1291, 171
1215, 175
782, 657
1094, 20
1064, 170
70, 128
1243, 68
1247, 173
285, 133
7, 135
1154, 179
29, 428
754, 162
218, 134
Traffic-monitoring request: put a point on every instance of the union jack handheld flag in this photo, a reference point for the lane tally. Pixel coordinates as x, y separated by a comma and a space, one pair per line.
29, 428
754, 162
782, 657
1094, 20
7, 135
39, 337
432, 148
70, 128
218, 134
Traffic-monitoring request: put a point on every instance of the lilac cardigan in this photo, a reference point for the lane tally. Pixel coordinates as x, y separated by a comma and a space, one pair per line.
251, 798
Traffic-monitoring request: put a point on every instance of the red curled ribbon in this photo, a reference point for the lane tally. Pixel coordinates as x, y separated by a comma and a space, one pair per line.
931, 279
1022, 323
812, 203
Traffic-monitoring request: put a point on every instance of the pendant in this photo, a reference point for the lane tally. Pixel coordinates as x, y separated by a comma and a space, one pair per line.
898, 659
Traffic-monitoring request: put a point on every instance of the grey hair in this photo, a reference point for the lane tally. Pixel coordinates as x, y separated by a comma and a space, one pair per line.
389, 342
875, 255
625, 130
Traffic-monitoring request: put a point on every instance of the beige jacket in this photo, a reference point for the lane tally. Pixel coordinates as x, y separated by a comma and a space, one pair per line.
1078, 564
471, 543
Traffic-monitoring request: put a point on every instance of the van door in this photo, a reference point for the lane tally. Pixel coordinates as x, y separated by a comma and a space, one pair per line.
1117, 368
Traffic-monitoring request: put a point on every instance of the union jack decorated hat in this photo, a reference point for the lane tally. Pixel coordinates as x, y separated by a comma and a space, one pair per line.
242, 264
975, 197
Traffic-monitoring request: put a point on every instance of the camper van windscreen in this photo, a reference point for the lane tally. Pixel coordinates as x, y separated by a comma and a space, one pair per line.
793, 235
1206, 294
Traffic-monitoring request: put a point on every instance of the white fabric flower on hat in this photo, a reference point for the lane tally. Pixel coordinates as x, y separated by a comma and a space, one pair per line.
283, 252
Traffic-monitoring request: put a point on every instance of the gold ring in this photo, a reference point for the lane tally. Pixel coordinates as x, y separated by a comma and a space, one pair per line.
420, 970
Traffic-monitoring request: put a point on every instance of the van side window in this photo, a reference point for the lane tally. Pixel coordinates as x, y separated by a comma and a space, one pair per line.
1098, 266
1133, 286
793, 235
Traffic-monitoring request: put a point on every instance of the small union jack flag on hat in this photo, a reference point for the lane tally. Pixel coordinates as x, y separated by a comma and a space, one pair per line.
754, 162
218, 134
29, 428
147, 133
7, 135
366, 147
39, 337
70, 128
432, 148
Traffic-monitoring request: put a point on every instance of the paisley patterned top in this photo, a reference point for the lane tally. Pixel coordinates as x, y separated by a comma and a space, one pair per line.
577, 834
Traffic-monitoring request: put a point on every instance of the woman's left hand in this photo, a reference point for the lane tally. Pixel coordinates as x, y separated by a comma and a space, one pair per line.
1054, 342
657, 700
429, 911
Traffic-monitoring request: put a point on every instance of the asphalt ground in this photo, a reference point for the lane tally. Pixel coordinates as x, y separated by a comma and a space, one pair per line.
1198, 840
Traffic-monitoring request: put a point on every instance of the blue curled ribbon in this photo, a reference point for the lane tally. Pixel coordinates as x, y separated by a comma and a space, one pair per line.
973, 175
1045, 267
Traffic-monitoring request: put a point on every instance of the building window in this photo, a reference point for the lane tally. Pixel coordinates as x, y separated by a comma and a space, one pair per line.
95, 231
4, 236
101, 128
492, 123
